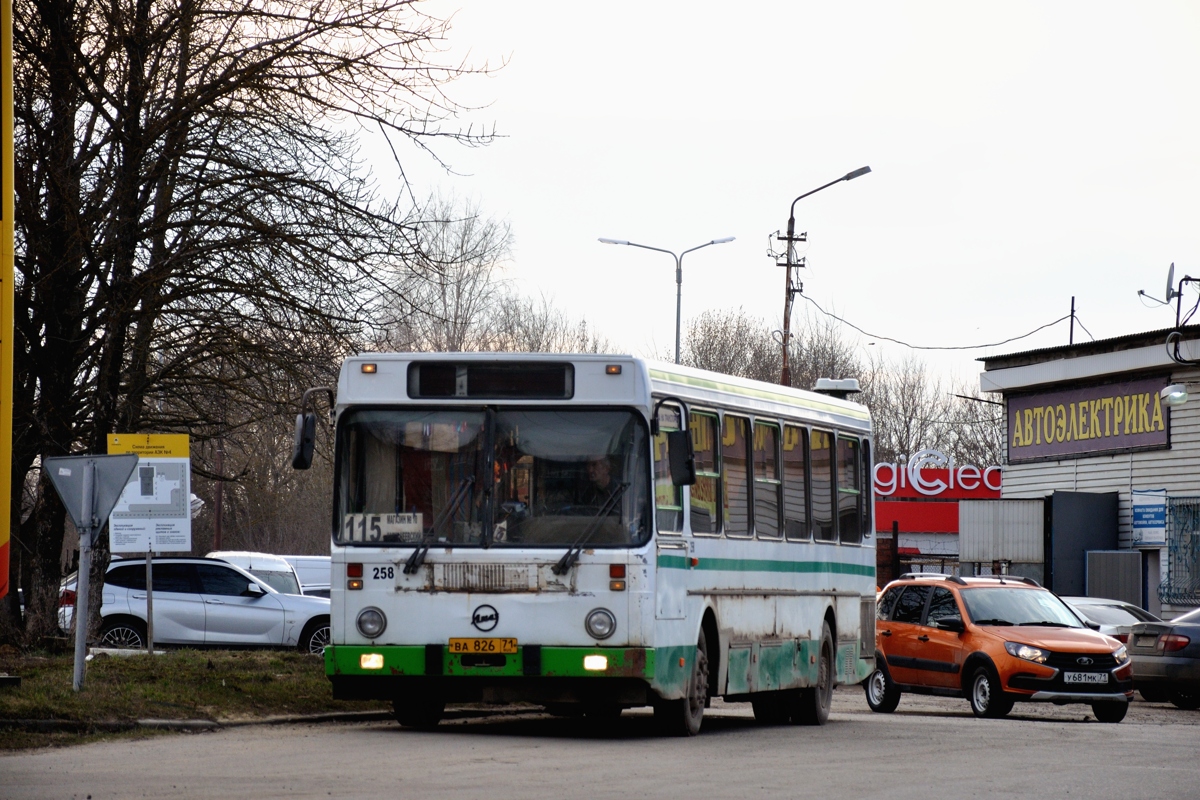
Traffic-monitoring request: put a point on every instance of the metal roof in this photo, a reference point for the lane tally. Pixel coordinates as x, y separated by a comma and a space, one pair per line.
1116, 343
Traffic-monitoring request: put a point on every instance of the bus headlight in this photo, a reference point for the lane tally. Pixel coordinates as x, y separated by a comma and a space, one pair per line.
371, 622
600, 623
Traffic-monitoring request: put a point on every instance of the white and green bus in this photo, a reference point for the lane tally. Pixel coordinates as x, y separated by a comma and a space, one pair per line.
592, 533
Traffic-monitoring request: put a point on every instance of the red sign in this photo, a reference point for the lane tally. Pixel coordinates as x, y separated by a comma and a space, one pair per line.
921, 494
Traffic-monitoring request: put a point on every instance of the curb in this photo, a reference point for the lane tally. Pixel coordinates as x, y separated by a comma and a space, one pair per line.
82, 726
109, 726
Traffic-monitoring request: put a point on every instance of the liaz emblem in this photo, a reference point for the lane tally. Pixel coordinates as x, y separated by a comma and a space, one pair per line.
485, 618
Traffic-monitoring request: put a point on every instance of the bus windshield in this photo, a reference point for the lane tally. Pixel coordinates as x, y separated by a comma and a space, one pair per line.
493, 478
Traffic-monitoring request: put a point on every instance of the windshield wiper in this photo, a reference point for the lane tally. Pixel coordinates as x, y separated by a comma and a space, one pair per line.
992, 622
417, 558
572, 555
1047, 623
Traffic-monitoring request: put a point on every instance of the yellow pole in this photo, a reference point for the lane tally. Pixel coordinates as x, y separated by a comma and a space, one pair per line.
6, 284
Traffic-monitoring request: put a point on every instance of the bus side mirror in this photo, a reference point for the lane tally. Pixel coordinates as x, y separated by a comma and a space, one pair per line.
683, 458
306, 438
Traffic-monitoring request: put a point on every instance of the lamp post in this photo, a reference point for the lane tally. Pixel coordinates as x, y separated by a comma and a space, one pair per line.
786, 377
678, 274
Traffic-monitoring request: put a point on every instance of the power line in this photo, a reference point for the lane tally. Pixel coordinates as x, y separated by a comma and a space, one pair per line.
919, 347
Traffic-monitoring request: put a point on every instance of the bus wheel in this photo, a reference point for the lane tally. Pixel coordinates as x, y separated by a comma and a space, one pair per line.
683, 717
420, 712
813, 707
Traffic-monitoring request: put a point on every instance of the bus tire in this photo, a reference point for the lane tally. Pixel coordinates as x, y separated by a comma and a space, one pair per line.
683, 717
814, 702
422, 712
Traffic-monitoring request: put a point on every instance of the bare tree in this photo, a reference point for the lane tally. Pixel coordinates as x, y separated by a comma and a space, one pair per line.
977, 427
463, 300
736, 343
450, 304
191, 214
910, 409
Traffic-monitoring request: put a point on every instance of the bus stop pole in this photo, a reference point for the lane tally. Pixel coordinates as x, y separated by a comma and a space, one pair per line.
81, 581
150, 601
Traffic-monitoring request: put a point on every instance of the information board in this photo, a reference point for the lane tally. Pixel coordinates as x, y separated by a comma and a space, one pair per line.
154, 512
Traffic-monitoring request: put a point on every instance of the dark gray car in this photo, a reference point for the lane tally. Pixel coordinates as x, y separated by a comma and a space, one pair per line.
1166, 660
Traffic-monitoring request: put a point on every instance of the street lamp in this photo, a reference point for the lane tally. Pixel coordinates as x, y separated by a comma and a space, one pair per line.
678, 274
786, 377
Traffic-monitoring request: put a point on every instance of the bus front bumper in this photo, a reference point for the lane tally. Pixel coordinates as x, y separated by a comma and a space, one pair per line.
386, 672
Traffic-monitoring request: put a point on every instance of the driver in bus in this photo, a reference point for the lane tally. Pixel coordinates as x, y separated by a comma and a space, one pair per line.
600, 482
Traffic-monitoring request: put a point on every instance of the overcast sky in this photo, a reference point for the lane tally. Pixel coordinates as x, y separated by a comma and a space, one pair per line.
1021, 153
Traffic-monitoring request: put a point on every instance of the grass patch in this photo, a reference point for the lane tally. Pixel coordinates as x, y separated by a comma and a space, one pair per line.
221, 685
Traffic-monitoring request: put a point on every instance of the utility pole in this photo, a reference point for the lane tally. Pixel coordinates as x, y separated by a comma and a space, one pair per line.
791, 289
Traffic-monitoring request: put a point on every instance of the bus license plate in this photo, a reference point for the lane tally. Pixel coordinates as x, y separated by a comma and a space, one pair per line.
1085, 677
485, 645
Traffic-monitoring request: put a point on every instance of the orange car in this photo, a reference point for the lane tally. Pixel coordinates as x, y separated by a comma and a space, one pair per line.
995, 641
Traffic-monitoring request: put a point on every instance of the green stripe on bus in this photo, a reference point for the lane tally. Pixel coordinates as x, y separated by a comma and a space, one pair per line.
775, 397
765, 565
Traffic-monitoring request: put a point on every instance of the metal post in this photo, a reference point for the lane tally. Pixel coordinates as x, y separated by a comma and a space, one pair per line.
678, 282
785, 376
150, 602
1071, 337
217, 502
81, 580
678, 300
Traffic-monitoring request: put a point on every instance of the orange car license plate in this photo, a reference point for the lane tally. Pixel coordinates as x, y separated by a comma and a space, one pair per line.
1085, 677
484, 645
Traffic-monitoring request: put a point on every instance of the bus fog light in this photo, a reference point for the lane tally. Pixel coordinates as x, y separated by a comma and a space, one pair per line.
595, 663
370, 661
371, 622
600, 623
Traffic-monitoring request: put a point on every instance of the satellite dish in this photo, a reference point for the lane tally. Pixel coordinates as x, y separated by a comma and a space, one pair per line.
1171, 293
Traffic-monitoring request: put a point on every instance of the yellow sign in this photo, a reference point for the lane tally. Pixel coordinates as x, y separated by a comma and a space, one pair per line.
7, 167
150, 445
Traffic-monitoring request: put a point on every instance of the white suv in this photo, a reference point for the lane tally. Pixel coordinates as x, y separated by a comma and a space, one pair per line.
201, 601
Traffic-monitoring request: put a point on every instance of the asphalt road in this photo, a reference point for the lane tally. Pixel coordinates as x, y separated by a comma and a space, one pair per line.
929, 748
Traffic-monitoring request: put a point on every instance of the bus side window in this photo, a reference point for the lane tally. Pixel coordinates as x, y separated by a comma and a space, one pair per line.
767, 485
705, 508
668, 498
867, 486
795, 489
849, 491
735, 475
822, 486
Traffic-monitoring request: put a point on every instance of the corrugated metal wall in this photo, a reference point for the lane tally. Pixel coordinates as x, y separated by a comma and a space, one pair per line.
1116, 574
1001, 530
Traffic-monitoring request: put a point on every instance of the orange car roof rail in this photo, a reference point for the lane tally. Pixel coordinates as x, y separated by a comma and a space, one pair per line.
952, 578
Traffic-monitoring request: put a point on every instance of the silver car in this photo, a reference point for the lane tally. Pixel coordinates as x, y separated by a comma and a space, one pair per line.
1112, 617
206, 602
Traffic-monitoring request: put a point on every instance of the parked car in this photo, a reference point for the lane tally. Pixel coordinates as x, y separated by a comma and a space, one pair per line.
205, 602
995, 641
313, 572
1166, 660
1112, 617
274, 570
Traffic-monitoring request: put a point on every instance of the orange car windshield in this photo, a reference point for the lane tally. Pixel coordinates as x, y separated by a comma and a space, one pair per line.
1000, 605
